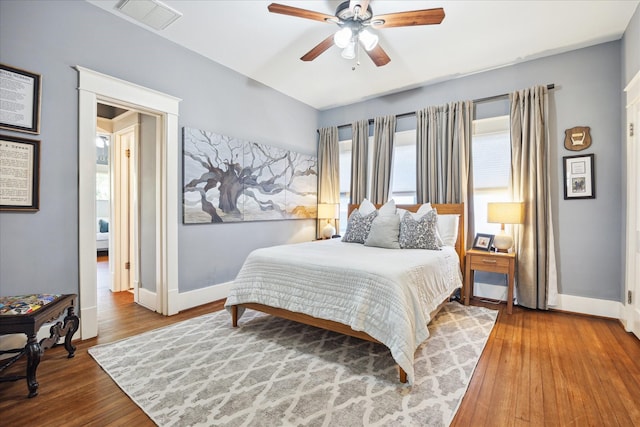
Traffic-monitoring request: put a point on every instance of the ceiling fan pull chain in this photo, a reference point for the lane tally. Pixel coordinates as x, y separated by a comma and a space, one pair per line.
357, 57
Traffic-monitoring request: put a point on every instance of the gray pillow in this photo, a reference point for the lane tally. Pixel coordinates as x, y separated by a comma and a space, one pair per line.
358, 227
384, 233
421, 233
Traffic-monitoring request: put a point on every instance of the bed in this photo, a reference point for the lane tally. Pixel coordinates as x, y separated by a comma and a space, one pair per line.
377, 294
102, 235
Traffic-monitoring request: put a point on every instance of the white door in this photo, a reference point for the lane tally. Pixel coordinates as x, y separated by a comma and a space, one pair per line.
632, 291
124, 211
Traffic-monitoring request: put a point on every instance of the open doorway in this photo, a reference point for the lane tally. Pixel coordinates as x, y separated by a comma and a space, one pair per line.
126, 188
97, 88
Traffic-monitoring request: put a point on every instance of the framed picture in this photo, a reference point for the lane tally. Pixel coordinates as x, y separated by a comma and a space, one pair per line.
483, 241
19, 99
579, 177
19, 174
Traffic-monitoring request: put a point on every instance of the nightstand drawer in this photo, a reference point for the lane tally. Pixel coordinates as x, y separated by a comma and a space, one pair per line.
489, 263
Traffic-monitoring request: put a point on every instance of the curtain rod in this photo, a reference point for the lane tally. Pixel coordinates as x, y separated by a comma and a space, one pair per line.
488, 98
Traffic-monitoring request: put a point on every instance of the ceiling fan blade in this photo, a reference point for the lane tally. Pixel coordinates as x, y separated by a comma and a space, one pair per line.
300, 13
378, 56
318, 49
407, 19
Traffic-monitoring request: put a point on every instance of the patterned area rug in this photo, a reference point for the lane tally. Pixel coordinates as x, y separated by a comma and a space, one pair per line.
274, 372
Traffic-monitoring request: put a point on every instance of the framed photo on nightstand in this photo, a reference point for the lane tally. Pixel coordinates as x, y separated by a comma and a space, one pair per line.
483, 242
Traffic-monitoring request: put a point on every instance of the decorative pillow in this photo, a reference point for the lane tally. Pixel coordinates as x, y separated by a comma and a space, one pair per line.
366, 207
419, 234
358, 226
103, 226
384, 232
448, 229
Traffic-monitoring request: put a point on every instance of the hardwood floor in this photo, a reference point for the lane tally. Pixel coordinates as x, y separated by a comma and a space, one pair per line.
538, 369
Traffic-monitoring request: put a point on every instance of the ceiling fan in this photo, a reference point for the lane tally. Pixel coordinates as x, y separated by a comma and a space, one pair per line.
355, 18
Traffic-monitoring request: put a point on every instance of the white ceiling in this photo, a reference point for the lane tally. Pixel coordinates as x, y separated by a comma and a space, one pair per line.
474, 36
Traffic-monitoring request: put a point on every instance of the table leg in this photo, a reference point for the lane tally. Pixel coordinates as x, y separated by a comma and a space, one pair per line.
34, 352
71, 324
510, 285
468, 284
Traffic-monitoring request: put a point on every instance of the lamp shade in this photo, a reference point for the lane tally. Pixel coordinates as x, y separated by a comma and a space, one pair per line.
328, 210
505, 213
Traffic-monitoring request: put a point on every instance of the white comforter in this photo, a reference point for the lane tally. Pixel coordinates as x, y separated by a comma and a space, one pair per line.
388, 293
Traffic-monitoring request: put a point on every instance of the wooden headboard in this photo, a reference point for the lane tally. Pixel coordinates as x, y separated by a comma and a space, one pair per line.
448, 208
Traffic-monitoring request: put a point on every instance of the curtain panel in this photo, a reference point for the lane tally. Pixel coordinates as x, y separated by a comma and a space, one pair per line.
328, 166
384, 130
444, 171
536, 279
359, 144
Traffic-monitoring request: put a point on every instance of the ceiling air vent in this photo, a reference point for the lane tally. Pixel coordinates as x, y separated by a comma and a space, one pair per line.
153, 13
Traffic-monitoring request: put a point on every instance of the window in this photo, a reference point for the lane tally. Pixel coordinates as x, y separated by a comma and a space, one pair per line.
491, 157
102, 166
403, 173
345, 182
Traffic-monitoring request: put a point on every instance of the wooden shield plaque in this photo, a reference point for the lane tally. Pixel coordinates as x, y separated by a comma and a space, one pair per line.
577, 138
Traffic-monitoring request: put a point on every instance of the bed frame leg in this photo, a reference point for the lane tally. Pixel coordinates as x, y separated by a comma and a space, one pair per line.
403, 375
234, 316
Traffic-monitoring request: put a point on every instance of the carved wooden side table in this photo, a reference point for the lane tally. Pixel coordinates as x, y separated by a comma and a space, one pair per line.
25, 315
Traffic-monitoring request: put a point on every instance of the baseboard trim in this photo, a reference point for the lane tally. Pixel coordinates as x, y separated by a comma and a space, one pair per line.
147, 298
488, 291
589, 306
568, 303
88, 322
202, 296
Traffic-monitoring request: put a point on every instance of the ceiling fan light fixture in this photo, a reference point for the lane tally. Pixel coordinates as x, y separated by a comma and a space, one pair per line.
342, 37
368, 39
349, 52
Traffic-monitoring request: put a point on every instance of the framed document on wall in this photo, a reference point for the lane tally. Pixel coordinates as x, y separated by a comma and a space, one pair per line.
579, 177
19, 99
19, 174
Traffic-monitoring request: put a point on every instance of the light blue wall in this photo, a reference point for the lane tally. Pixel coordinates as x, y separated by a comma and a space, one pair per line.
39, 251
587, 93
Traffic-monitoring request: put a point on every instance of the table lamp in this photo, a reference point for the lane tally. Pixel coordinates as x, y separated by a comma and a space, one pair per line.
504, 213
328, 211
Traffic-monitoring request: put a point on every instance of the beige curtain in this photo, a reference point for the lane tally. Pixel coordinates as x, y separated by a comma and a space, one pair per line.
328, 168
384, 130
537, 284
359, 144
443, 157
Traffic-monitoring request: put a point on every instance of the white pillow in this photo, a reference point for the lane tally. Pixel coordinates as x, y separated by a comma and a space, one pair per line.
388, 208
366, 207
423, 209
448, 228
384, 232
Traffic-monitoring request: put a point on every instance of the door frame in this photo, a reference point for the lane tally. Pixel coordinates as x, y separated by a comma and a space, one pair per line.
93, 87
632, 273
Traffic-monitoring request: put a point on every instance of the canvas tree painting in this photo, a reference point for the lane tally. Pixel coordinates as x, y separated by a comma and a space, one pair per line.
229, 180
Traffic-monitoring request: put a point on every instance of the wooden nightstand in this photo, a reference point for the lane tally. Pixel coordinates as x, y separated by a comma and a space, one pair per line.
493, 262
